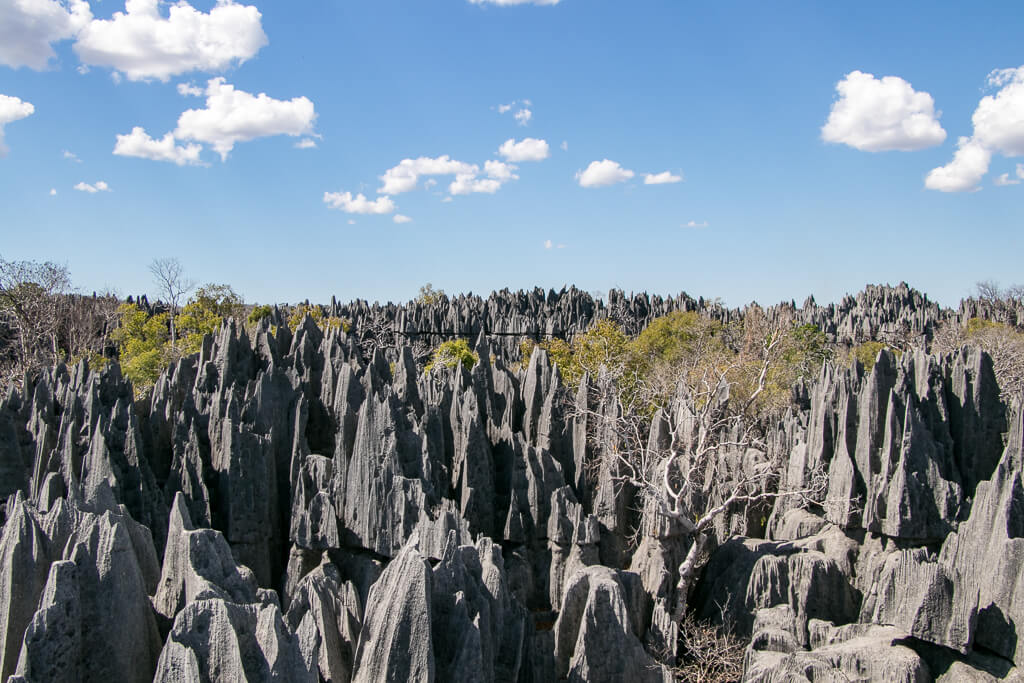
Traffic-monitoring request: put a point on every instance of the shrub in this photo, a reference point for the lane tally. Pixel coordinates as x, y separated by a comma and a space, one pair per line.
258, 313
451, 353
143, 345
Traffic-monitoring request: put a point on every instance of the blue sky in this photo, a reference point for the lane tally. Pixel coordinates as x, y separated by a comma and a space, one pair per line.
779, 185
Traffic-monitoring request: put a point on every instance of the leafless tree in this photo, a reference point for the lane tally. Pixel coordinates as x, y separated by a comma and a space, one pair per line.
172, 286
33, 297
990, 290
703, 456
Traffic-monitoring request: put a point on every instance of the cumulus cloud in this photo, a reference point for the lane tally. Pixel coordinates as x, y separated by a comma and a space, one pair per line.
139, 144
233, 116
509, 3
663, 178
142, 44
523, 116
565, 145
527, 149
603, 173
190, 90
548, 244
1005, 179
998, 129
505, 108
469, 184
359, 204
71, 156
12, 109
499, 170
53, 192
964, 172
399, 218
406, 175
29, 27
305, 143
98, 186
882, 114
497, 174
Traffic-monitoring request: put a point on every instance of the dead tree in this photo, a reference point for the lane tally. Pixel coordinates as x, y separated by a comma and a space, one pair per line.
677, 459
172, 286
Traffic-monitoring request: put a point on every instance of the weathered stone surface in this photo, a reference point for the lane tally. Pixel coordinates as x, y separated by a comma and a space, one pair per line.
217, 641
596, 635
396, 642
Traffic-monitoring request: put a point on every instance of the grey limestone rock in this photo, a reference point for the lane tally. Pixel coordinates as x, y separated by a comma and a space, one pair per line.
597, 635
396, 642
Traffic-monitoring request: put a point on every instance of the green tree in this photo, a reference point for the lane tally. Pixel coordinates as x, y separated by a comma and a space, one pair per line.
428, 295
451, 353
258, 313
143, 346
320, 318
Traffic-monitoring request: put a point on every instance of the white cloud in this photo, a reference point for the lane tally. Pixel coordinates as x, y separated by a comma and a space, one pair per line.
1005, 179
603, 173
527, 149
505, 108
53, 192
500, 171
447, 200
523, 116
884, 114
71, 156
565, 145
663, 178
28, 27
12, 109
399, 218
999, 119
306, 143
139, 144
99, 186
405, 176
351, 222
189, 90
695, 224
233, 116
142, 44
344, 201
964, 172
548, 244
998, 128
468, 184
509, 3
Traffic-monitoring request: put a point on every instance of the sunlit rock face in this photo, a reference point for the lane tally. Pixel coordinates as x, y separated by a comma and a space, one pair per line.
307, 505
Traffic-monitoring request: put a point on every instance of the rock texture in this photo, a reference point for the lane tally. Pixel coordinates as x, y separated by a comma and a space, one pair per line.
308, 505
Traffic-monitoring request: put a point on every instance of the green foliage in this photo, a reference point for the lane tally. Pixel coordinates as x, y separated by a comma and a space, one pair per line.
867, 353
204, 313
143, 344
559, 351
320, 319
258, 313
672, 338
978, 326
219, 299
604, 344
451, 353
428, 295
